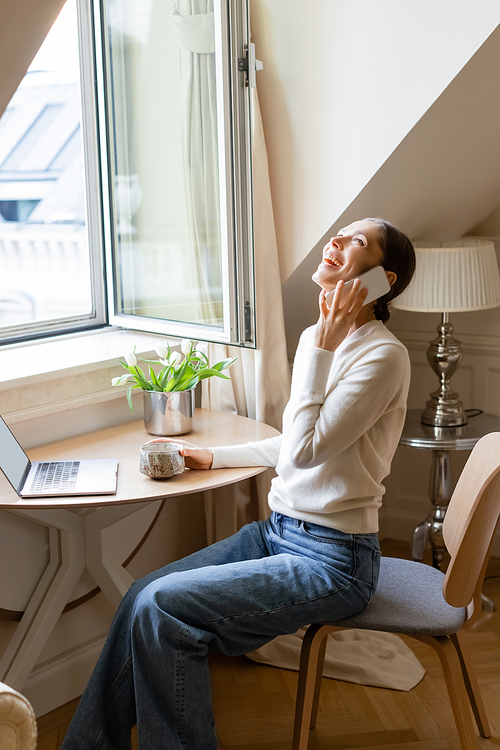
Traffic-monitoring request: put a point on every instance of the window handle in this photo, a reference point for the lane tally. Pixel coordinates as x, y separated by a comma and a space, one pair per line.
251, 65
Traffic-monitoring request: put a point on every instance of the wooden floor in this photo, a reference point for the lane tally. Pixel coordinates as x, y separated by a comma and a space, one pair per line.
254, 704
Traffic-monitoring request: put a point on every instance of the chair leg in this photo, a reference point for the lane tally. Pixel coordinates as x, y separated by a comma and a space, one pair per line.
457, 693
311, 668
319, 677
459, 640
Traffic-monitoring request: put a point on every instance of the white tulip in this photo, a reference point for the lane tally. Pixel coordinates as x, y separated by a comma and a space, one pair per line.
185, 346
176, 356
114, 381
131, 359
161, 351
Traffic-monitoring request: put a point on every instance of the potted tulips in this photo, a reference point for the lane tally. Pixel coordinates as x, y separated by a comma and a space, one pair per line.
168, 388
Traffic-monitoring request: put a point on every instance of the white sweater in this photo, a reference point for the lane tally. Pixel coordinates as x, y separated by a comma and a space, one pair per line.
341, 428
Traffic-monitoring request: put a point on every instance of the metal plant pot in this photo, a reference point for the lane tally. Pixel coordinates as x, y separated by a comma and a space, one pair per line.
168, 414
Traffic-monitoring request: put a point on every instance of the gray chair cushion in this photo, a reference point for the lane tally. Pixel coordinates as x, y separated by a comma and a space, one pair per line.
409, 600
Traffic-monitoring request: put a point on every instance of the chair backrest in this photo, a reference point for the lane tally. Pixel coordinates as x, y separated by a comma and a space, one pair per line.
470, 523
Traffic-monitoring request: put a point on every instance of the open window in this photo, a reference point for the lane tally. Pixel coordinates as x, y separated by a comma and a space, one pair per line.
177, 146
160, 126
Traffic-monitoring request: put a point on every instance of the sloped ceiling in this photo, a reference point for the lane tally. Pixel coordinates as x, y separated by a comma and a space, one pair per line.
24, 26
441, 181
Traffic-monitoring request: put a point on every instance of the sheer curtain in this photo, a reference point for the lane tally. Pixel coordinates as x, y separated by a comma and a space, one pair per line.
194, 24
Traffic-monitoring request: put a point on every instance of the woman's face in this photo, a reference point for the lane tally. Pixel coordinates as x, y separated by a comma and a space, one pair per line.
352, 252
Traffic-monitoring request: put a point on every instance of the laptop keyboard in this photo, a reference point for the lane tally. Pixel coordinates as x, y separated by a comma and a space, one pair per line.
55, 476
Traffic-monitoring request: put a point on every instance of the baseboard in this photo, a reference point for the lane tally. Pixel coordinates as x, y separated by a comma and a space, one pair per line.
60, 680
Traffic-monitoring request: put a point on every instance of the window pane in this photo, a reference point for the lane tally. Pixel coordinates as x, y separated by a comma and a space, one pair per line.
44, 255
163, 86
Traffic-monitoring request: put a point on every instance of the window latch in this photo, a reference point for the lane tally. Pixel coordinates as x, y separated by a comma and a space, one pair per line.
248, 322
250, 65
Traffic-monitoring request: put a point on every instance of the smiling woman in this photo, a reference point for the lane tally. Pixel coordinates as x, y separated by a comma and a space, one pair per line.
315, 559
353, 251
361, 246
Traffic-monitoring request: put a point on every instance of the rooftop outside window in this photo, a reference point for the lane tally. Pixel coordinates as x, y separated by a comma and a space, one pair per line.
44, 255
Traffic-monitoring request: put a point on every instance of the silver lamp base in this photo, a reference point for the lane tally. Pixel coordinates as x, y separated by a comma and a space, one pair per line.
444, 408
447, 412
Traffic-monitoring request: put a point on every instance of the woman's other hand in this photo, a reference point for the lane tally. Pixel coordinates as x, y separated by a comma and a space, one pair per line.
335, 323
194, 456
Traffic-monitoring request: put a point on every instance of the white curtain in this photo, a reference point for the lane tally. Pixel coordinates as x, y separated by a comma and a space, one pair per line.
194, 24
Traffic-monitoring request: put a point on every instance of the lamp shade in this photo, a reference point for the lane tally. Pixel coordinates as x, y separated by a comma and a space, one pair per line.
453, 276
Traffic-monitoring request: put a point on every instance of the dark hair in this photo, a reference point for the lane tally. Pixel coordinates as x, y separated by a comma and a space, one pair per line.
398, 256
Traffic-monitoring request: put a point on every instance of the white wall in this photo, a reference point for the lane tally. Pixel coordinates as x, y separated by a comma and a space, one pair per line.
342, 85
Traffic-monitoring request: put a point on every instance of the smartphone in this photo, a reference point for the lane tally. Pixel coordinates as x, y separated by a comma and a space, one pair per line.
374, 280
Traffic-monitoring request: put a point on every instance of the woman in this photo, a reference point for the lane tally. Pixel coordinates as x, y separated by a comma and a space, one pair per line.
316, 558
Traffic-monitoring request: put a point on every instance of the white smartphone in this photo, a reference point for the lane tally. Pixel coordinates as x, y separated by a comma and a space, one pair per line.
374, 280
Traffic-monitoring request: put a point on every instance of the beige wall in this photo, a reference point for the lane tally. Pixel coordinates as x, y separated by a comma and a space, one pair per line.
490, 226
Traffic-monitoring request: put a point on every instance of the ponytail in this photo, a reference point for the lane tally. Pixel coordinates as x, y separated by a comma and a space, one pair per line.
399, 257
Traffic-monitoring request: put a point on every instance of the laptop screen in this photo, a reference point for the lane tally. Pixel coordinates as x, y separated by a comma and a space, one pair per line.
13, 460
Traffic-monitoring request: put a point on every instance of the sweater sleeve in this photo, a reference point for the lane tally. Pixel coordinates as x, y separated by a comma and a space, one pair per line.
324, 424
258, 453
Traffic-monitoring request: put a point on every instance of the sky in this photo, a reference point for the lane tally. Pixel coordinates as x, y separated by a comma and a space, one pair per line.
59, 52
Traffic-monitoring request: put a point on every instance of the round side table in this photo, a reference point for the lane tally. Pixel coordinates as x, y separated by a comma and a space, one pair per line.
441, 440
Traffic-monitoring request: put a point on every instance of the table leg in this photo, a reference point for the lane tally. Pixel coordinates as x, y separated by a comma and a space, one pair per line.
66, 565
430, 531
112, 578
76, 541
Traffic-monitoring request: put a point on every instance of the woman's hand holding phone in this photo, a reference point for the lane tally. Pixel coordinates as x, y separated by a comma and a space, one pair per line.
375, 280
194, 456
335, 322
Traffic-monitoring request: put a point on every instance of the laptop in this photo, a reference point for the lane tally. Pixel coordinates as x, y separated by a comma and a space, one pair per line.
54, 478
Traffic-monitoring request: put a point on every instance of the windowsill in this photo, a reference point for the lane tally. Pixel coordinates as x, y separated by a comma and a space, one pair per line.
55, 375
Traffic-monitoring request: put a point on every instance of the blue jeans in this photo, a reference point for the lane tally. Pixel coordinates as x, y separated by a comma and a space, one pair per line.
270, 578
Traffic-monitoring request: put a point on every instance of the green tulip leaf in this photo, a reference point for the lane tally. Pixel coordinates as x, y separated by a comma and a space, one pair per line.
211, 372
224, 363
154, 379
129, 399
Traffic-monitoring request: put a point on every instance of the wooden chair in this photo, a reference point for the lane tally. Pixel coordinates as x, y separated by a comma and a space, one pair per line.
420, 601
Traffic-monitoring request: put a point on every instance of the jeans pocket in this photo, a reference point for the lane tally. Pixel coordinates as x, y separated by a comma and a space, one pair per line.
325, 534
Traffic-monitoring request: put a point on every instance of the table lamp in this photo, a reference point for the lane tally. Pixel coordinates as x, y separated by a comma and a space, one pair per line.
451, 276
